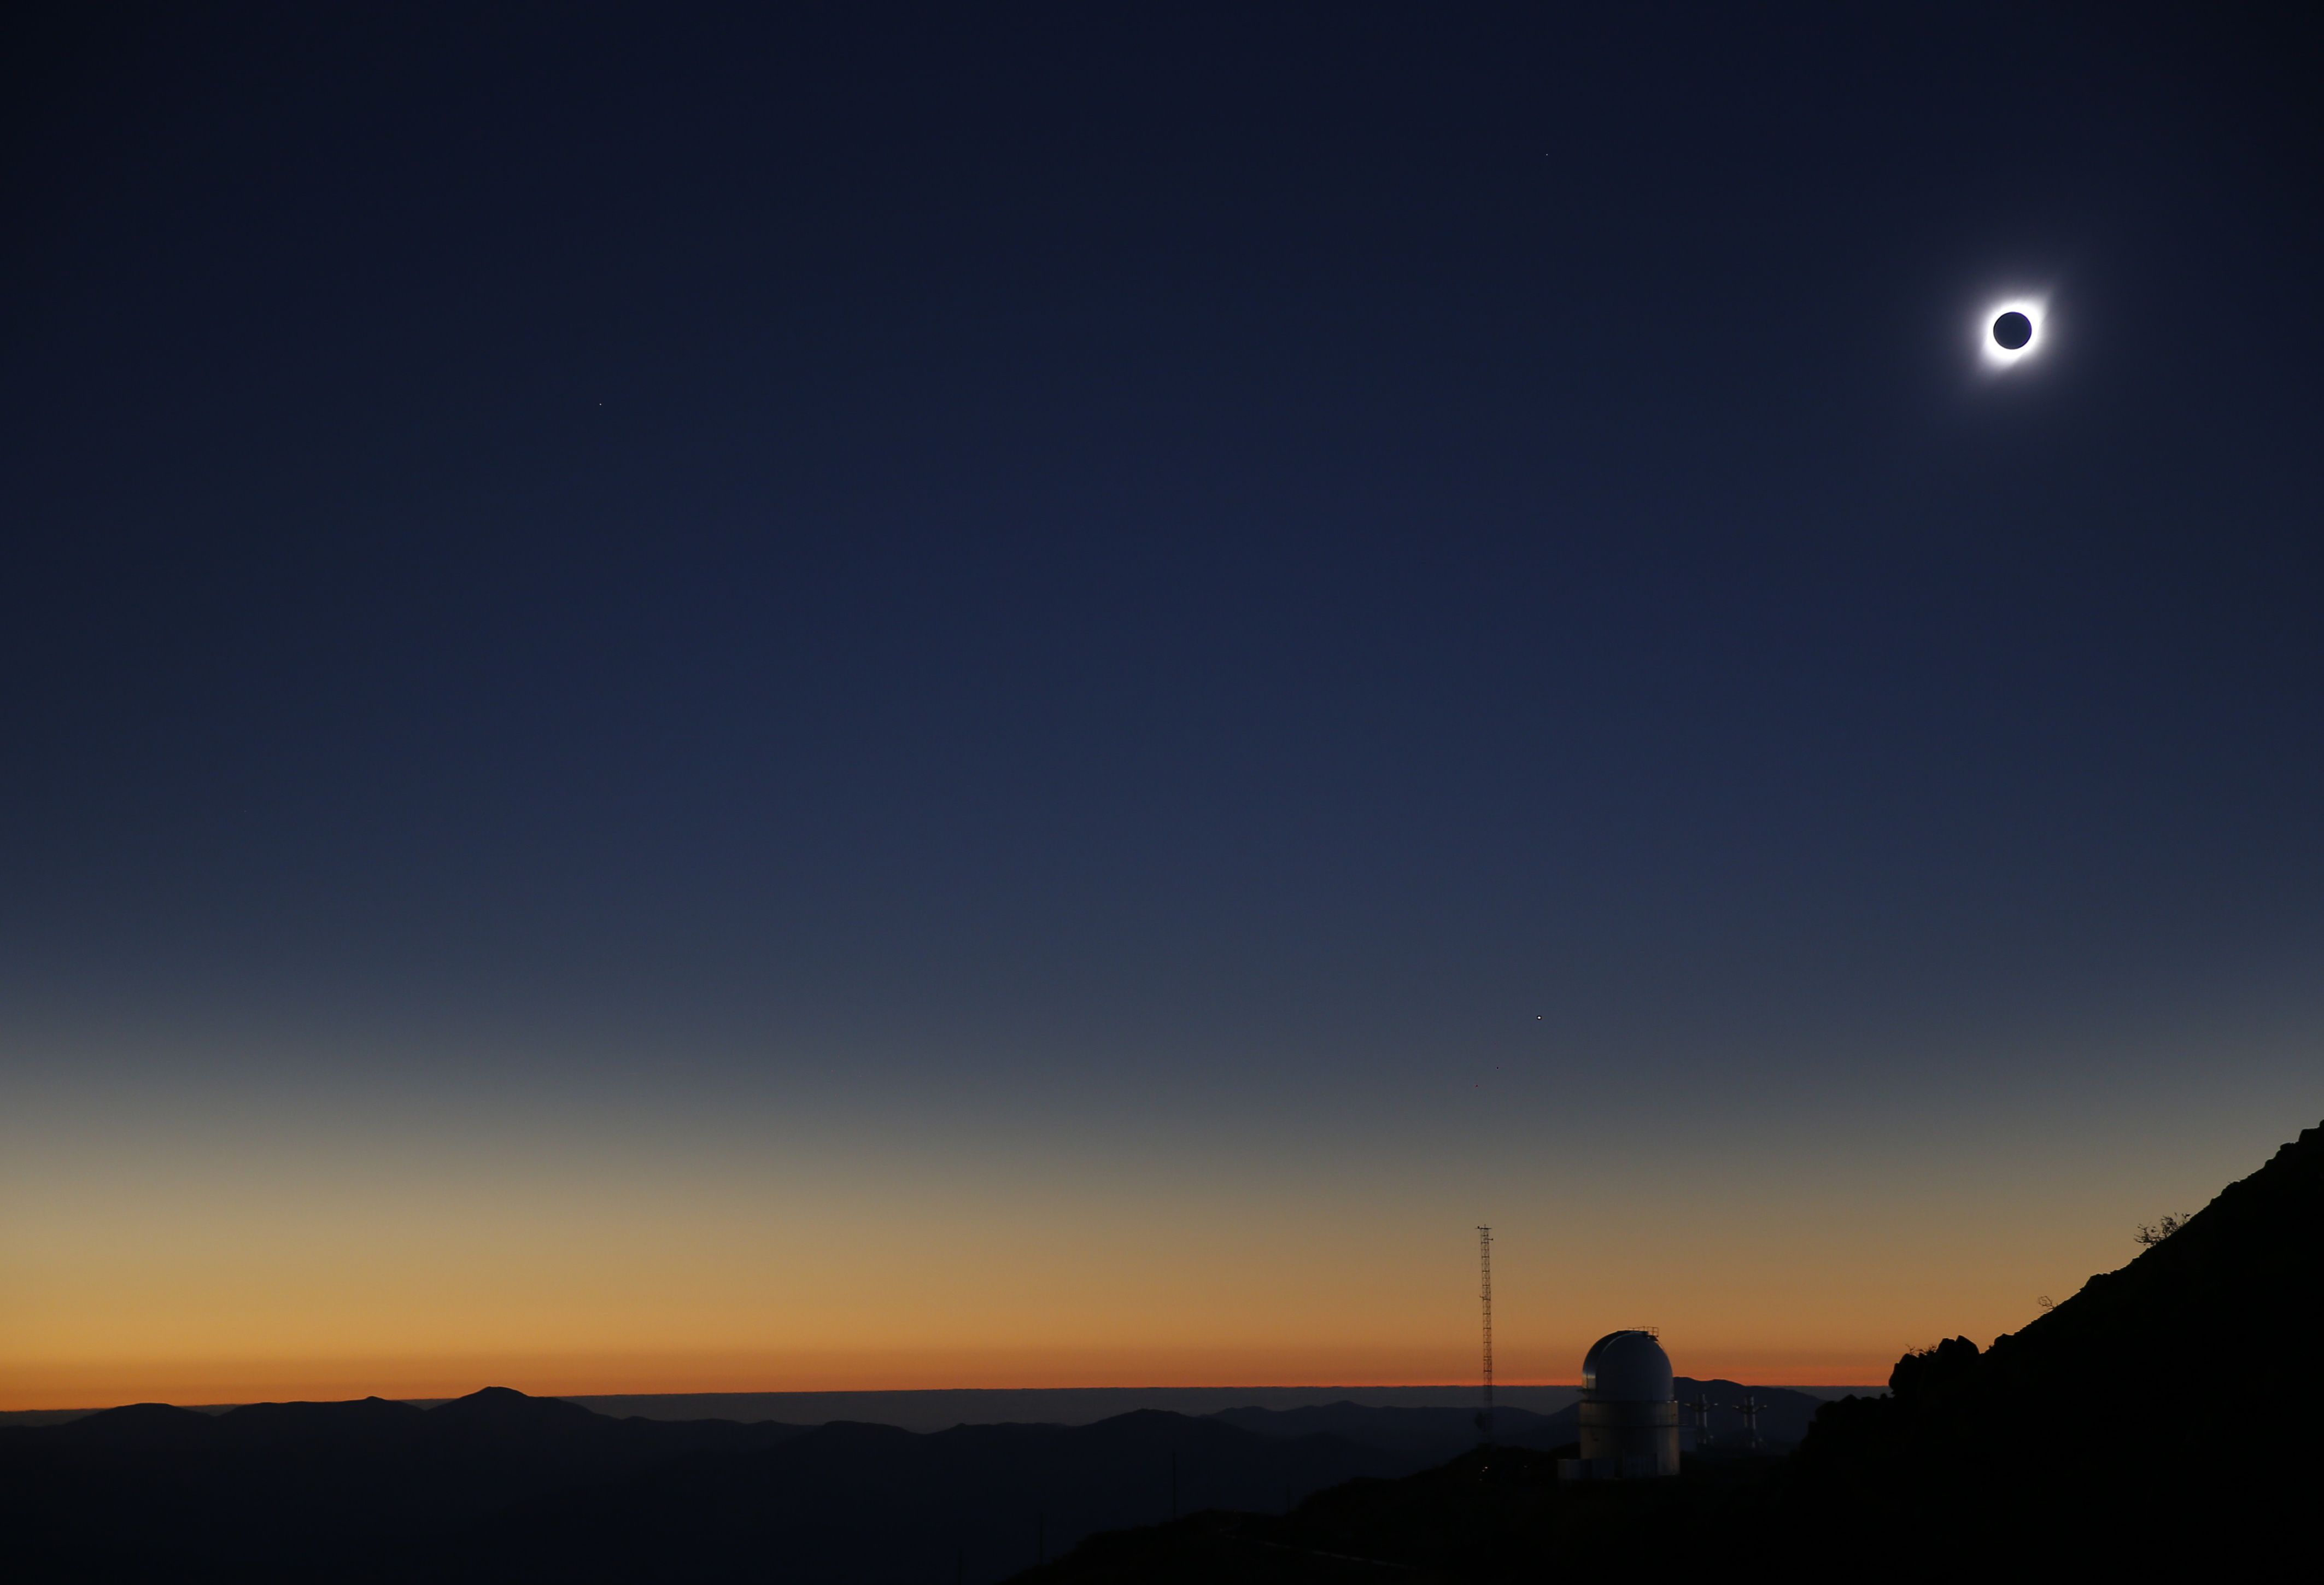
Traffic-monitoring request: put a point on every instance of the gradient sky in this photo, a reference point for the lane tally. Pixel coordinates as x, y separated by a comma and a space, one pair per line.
1023, 696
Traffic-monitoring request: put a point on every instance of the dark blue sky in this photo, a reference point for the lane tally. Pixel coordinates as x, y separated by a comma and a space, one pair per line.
1180, 553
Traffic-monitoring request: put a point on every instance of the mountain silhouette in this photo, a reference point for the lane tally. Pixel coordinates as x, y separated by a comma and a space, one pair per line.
870, 1502
505, 1486
2149, 1416
308, 1491
2143, 1426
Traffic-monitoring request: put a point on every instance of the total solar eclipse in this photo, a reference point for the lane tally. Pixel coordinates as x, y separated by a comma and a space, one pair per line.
2010, 330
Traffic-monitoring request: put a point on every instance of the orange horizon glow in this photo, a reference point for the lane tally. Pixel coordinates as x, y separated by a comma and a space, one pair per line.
203, 1384
198, 1252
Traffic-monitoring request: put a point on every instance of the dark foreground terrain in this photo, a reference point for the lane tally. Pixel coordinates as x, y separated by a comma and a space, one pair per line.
2001, 1464
504, 1486
1493, 1514
2041, 1457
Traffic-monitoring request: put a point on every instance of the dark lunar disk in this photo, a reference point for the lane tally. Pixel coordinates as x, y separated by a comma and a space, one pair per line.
2013, 330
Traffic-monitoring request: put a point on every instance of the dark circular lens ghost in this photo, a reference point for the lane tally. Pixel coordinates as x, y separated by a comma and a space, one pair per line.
2013, 330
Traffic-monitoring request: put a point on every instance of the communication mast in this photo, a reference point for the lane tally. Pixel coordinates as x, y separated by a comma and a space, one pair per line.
1750, 1407
1484, 1295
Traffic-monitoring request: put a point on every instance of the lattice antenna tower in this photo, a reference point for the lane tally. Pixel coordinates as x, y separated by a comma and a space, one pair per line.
1485, 1297
1698, 1409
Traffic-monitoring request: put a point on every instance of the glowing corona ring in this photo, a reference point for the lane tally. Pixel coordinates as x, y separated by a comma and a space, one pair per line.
1998, 356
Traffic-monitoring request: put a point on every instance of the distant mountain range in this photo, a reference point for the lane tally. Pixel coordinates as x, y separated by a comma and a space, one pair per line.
1977, 1463
1441, 1432
942, 1408
939, 1409
502, 1485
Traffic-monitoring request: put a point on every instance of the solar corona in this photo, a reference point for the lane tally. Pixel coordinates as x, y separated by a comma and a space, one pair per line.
2010, 332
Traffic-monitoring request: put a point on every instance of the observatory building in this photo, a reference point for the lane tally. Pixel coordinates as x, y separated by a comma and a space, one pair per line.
1630, 1411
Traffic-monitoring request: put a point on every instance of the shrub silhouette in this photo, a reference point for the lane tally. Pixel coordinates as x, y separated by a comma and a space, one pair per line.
2151, 1233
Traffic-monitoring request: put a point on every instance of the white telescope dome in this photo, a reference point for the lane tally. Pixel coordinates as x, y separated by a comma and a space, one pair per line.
1626, 1367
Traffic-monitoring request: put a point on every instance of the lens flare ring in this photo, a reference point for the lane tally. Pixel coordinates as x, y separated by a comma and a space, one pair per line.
1998, 356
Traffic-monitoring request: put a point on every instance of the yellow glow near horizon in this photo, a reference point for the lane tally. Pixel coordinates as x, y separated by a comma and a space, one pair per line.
139, 1281
95, 1384
166, 1248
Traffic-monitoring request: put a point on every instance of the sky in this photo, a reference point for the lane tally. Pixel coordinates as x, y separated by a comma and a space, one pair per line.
862, 696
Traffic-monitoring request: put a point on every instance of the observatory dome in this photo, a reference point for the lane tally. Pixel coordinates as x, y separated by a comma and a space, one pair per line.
1626, 1367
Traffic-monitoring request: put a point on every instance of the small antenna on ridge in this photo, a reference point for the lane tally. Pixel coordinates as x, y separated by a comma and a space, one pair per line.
1485, 1296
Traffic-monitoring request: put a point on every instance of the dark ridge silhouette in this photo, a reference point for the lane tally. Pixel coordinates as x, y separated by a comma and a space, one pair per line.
2048, 1453
869, 1502
2194, 1446
2144, 1428
501, 1485
1493, 1514
940, 1409
307, 1490
149, 1427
